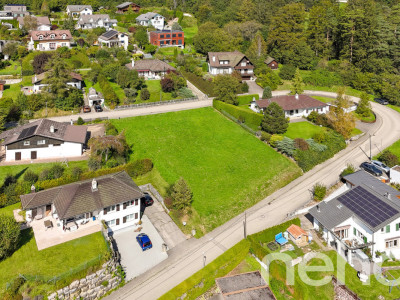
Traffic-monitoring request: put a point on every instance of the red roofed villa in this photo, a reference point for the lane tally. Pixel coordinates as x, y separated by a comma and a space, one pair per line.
295, 106
45, 40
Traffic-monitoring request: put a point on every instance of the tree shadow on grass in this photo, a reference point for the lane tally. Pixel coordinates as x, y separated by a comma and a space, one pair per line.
25, 237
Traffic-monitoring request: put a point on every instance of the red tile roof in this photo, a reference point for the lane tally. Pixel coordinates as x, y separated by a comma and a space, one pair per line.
296, 231
289, 102
47, 35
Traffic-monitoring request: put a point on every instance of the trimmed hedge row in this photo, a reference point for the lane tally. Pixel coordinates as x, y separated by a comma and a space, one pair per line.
205, 86
251, 119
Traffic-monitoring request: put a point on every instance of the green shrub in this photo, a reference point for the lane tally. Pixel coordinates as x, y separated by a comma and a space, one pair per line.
274, 139
287, 72
388, 158
350, 169
301, 144
9, 236
322, 77
145, 94
94, 164
319, 191
56, 171
267, 93
139, 167
104, 283
319, 137
76, 172
286, 145
31, 177
312, 117
251, 119
80, 121
206, 86
110, 128
265, 136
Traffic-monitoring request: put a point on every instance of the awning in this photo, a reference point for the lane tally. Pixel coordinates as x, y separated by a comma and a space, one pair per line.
342, 228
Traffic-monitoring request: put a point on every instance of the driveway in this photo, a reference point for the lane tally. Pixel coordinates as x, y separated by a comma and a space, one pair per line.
167, 228
133, 259
254, 88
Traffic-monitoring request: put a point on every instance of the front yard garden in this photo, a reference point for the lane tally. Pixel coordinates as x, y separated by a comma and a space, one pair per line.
62, 263
227, 169
304, 130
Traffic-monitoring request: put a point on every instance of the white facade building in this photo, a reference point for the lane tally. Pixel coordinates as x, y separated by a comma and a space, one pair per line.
113, 38
79, 10
228, 62
150, 68
43, 23
295, 106
151, 19
95, 21
114, 199
39, 85
367, 215
44, 139
47, 40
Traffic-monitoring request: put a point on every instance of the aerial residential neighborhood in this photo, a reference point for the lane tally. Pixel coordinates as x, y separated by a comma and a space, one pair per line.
199, 150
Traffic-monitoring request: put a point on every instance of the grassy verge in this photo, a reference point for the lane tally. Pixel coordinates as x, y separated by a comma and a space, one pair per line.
355, 132
48, 263
369, 119
396, 108
12, 90
154, 88
13, 69
19, 170
304, 130
8, 210
226, 168
246, 99
324, 99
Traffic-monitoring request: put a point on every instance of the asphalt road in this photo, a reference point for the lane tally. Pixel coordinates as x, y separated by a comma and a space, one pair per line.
187, 258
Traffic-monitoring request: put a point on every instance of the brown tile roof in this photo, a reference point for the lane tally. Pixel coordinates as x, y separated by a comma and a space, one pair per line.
46, 34
289, 102
296, 231
62, 131
39, 20
78, 198
233, 57
154, 65
41, 76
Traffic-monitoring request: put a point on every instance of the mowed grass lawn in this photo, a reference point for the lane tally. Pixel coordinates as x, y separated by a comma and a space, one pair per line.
227, 169
50, 262
304, 130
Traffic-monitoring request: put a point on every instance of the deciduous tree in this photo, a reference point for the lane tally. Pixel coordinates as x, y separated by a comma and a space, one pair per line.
226, 88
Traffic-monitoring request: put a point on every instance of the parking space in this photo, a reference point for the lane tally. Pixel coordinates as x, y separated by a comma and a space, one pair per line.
133, 259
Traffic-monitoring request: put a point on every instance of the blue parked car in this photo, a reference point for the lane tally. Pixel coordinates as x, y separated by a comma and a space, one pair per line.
144, 241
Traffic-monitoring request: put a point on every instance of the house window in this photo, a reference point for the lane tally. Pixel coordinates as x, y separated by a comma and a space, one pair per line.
40, 37
110, 223
174, 35
129, 217
109, 209
392, 243
161, 36
179, 34
52, 46
136, 202
63, 44
387, 228
27, 143
41, 142
168, 35
397, 226
161, 42
179, 42
243, 64
52, 36
382, 230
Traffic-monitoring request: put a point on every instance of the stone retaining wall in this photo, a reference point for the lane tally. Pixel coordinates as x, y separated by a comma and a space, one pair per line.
93, 286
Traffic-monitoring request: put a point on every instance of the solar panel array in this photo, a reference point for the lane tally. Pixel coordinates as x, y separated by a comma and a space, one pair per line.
109, 34
367, 206
27, 132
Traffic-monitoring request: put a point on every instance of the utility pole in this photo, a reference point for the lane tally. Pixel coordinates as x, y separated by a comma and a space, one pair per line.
204, 260
370, 147
245, 225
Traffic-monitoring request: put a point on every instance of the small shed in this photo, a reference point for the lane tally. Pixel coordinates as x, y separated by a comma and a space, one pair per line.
2, 83
395, 174
298, 235
271, 62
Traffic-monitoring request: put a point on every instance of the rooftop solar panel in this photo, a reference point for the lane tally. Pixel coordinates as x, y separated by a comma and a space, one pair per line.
109, 34
367, 206
27, 132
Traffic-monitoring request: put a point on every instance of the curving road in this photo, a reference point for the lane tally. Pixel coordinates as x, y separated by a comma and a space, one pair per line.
187, 258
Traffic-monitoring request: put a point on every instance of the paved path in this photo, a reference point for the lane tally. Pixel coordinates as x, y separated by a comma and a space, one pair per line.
187, 258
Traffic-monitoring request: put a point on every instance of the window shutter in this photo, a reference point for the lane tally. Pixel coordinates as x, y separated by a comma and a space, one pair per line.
365, 240
105, 211
117, 221
124, 220
124, 206
136, 202
355, 231
387, 228
117, 207
397, 227
136, 216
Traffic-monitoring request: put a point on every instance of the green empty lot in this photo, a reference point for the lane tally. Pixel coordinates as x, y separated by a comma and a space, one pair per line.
227, 169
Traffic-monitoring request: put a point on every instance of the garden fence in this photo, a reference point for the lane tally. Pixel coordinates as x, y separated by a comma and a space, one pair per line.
237, 121
147, 104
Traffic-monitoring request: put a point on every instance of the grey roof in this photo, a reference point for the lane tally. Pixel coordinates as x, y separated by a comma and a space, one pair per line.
125, 4
39, 20
108, 35
78, 8
62, 131
78, 198
89, 19
244, 286
269, 60
363, 177
147, 16
154, 65
334, 212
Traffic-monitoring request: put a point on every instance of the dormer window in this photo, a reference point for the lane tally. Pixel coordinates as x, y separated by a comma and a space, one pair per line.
64, 36
52, 36
40, 37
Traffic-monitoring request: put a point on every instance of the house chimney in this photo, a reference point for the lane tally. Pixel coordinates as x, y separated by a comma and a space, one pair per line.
72, 122
94, 185
52, 129
296, 96
35, 78
318, 210
33, 189
213, 58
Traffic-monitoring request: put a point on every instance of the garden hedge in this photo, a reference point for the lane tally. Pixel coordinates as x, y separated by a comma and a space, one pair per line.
251, 119
205, 86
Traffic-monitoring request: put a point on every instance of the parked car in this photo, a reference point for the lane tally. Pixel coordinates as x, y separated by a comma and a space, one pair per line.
87, 109
381, 166
370, 168
98, 108
381, 101
144, 241
147, 200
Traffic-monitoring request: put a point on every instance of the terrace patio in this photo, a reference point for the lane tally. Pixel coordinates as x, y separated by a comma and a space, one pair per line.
51, 235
